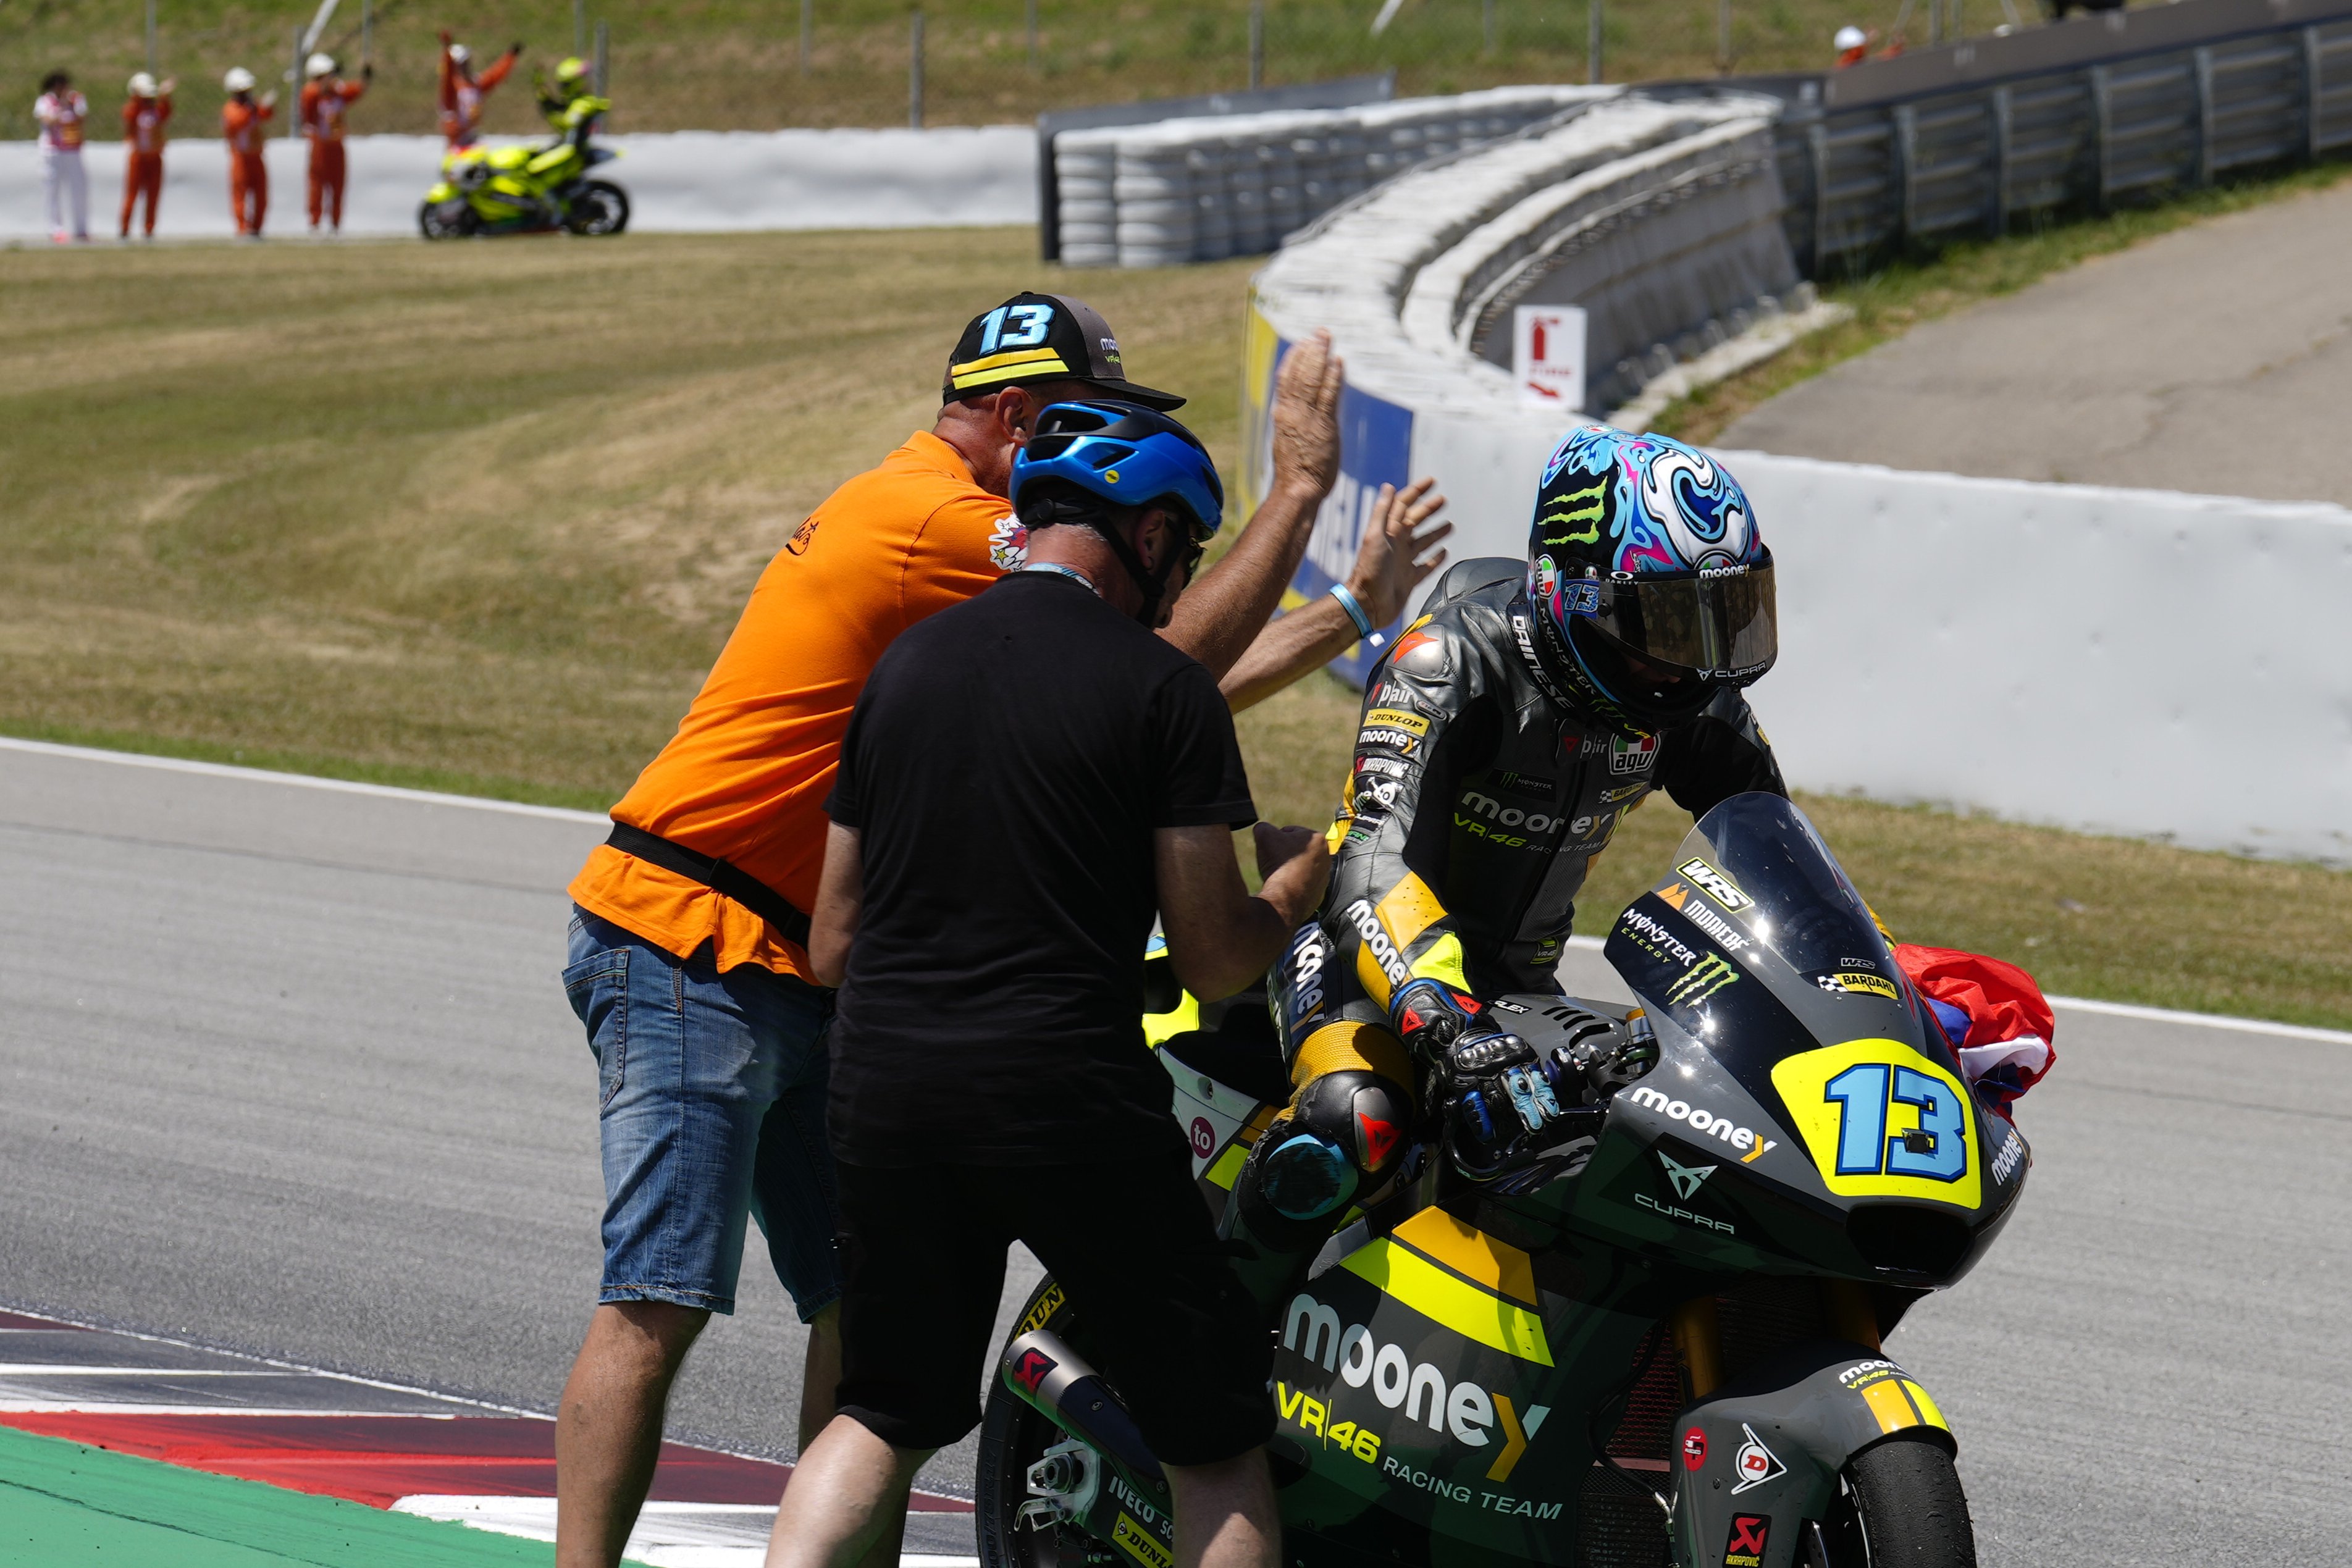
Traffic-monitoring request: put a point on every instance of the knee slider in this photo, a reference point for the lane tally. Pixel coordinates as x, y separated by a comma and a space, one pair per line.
1357, 1112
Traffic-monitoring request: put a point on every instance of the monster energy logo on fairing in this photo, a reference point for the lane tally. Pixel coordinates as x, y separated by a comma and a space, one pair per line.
1709, 976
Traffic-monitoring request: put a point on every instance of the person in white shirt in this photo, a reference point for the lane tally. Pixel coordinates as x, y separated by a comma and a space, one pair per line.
62, 113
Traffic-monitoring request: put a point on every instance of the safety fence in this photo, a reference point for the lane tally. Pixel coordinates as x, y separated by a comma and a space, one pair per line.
2105, 109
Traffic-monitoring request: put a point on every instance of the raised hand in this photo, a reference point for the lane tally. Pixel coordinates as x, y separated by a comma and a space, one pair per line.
1389, 564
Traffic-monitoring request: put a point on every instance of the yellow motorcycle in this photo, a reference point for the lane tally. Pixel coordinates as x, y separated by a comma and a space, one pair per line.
530, 189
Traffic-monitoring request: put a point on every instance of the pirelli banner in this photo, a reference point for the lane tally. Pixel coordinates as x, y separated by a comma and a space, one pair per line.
1486, 472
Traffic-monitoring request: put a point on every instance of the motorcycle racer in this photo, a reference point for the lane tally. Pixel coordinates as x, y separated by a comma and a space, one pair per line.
568, 104
1503, 736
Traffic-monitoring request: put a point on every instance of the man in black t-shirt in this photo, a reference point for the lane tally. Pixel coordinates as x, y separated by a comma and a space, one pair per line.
1028, 778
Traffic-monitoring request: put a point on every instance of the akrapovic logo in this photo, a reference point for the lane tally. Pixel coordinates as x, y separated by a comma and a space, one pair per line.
1704, 1122
1715, 884
1375, 941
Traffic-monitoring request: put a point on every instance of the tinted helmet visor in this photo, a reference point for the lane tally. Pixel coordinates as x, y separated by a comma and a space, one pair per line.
1720, 626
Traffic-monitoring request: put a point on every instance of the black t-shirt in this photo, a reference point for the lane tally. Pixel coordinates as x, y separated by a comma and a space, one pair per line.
1005, 768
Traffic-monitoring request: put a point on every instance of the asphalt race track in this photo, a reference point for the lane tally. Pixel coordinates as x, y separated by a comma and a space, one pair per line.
2214, 359
287, 1069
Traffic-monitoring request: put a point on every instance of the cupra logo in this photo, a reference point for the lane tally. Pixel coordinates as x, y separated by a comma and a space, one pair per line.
1685, 1177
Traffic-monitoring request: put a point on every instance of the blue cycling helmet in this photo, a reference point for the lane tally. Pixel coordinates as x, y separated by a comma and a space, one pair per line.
1128, 455
1650, 588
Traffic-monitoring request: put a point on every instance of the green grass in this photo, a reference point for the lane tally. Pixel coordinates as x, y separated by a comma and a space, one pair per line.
1926, 284
478, 518
726, 65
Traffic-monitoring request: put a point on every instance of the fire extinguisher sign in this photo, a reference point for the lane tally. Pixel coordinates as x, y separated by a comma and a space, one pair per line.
1548, 355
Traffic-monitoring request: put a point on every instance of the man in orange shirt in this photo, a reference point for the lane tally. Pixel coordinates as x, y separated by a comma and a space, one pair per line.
248, 177
462, 90
145, 112
325, 98
687, 959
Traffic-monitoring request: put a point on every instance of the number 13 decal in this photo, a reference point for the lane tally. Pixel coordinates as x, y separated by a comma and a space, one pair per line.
1883, 1120
1865, 1095
1029, 323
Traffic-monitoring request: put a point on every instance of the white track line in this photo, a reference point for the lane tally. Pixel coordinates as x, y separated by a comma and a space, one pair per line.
2149, 1015
298, 781
67, 1369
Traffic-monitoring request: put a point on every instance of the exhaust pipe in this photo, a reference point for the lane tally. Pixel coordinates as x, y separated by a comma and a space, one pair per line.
1054, 1378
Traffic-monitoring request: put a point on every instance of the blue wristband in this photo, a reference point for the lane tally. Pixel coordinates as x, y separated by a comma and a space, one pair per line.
1364, 627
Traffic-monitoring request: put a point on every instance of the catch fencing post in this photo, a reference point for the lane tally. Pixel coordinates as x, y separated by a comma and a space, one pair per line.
1592, 43
914, 72
1723, 36
294, 93
603, 55
1258, 44
808, 30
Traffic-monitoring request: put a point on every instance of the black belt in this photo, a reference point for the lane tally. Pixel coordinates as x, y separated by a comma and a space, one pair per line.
715, 874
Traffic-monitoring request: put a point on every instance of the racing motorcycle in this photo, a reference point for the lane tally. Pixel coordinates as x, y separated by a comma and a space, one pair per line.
1648, 1331
524, 189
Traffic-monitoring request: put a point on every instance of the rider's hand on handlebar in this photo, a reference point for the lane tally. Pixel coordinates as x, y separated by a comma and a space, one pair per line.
1429, 1017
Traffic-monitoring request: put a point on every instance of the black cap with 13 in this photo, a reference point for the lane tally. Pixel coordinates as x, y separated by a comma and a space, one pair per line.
1035, 338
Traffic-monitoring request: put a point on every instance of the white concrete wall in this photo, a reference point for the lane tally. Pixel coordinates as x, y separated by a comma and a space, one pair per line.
2132, 662
682, 182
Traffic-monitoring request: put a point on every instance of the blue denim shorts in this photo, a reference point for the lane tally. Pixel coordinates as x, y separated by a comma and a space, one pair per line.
712, 1089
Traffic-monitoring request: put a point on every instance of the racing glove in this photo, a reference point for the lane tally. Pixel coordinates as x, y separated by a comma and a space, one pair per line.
1429, 1017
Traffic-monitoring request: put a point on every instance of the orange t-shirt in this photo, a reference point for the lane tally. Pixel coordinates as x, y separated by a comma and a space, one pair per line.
746, 776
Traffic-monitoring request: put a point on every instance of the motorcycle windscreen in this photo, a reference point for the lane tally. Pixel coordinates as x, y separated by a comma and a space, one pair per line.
1810, 1009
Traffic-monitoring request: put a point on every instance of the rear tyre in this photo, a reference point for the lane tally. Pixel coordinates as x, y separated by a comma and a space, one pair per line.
1899, 1506
599, 208
434, 223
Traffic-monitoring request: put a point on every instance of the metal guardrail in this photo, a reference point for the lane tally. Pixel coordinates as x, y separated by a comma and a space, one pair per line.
2091, 113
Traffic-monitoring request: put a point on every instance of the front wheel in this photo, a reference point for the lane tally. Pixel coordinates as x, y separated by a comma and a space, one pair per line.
599, 208
1899, 1506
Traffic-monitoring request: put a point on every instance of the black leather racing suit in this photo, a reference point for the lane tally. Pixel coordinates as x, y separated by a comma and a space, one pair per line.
1476, 800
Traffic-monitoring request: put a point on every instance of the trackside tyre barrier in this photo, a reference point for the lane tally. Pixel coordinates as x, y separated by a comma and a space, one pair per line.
1206, 187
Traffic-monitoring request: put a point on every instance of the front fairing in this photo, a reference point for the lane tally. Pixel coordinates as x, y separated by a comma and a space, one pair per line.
1805, 1114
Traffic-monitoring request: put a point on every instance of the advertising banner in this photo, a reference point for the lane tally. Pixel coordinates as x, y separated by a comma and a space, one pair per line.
1375, 449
